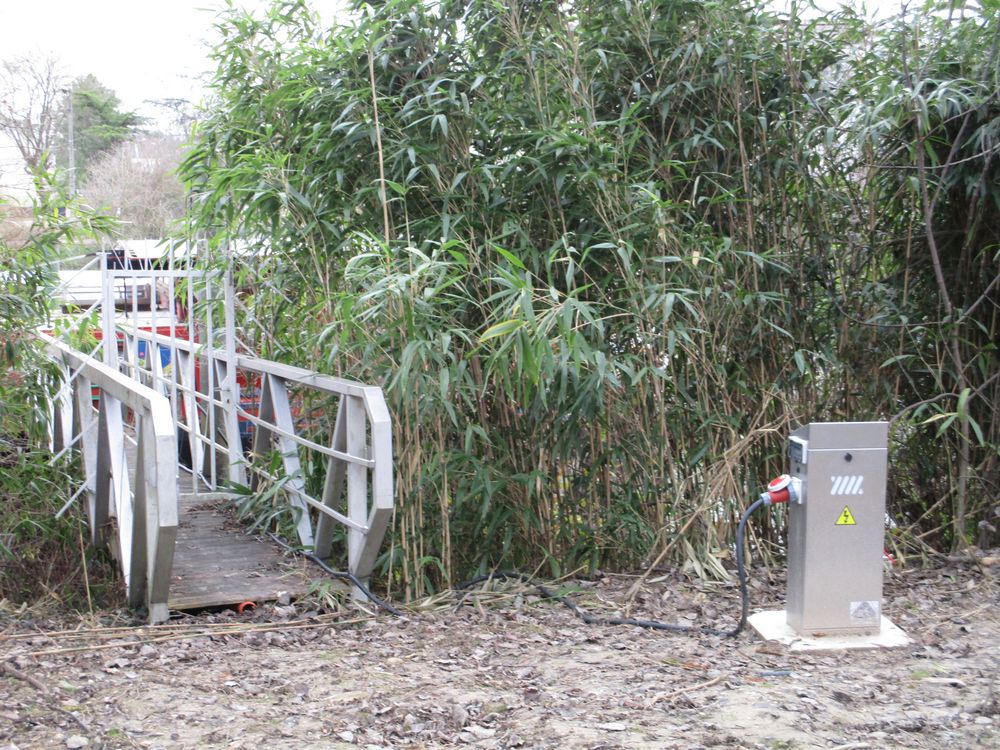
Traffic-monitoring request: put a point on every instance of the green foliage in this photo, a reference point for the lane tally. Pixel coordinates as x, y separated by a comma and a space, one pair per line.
99, 124
41, 556
28, 270
930, 136
602, 255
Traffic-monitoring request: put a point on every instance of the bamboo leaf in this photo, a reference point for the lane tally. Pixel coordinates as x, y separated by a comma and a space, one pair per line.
502, 328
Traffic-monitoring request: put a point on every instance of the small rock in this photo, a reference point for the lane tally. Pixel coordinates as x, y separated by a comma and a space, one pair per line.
346, 736
411, 725
984, 720
284, 598
950, 681
479, 732
147, 650
612, 726
76, 741
459, 715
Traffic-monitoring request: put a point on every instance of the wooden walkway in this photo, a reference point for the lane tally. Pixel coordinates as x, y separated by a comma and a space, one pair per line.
216, 563
178, 546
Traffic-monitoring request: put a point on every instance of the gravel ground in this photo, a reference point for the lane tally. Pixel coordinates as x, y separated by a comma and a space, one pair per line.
505, 669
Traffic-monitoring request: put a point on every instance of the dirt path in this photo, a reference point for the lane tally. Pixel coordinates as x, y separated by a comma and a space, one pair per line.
513, 672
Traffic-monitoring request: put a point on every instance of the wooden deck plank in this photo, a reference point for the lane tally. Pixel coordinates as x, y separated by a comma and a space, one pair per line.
216, 564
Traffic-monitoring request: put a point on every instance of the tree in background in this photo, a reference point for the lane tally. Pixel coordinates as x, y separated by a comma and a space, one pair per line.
181, 115
35, 109
31, 100
99, 124
136, 182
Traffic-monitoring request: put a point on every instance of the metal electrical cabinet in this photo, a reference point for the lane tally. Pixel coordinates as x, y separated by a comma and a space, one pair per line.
836, 531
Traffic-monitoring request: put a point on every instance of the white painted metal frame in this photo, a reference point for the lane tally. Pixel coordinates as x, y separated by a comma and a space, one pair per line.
359, 455
205, 394
199, 398
143, 504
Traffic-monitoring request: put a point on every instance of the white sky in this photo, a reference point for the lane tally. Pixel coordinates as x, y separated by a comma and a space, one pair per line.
141, 49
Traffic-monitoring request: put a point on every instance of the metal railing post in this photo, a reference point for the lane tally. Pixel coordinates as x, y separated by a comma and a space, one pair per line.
147, 517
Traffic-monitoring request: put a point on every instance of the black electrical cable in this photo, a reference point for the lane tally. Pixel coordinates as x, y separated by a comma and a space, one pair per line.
741, 570
566, 601
380, 603
649, 624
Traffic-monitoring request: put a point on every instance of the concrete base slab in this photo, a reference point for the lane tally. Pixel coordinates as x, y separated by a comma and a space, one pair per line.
771, 626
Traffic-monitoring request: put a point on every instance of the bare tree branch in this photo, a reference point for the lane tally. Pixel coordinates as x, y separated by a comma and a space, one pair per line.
136, 182
31, 97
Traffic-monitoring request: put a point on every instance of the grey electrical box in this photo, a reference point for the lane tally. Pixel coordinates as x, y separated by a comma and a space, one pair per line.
836, 531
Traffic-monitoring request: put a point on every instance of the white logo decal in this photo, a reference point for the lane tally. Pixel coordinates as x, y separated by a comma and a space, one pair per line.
865, 613
847, 485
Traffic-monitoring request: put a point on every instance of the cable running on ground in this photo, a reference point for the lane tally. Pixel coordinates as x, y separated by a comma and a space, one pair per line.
590, 619
380, 603
548, 593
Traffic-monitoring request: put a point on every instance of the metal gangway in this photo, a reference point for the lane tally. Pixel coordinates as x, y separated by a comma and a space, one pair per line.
171, 416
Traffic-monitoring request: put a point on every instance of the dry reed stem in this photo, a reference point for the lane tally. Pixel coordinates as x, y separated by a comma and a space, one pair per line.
10, 669
235, 630
682, 691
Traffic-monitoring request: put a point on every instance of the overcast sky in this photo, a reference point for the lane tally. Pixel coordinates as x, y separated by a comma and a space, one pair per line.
141, 49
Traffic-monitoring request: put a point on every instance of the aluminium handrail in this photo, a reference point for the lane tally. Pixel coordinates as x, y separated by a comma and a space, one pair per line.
147, 514
359, 457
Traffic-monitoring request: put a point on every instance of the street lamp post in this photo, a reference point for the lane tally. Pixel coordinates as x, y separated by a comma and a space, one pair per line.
72, 148
71, 144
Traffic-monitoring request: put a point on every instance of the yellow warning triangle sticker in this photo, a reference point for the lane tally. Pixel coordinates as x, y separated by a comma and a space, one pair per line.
846, 518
